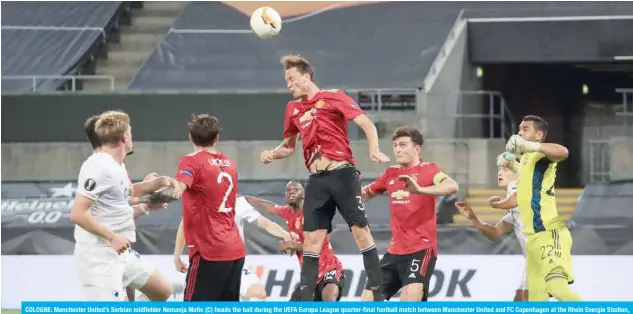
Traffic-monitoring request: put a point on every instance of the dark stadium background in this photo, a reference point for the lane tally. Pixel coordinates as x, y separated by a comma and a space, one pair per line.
463, 72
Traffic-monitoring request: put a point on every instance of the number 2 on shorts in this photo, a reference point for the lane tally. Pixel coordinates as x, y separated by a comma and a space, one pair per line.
223, 208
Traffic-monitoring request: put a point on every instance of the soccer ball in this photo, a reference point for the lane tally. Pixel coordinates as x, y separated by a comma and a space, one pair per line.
266, 22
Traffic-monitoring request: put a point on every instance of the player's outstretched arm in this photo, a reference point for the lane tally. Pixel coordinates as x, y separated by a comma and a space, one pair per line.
179, 247
490, 231
367, 193
554, 152
144, 209
507, 203
150, 186
292, 246
442, 187
261, 203
273, 228
284, 150
165, 195
372, 137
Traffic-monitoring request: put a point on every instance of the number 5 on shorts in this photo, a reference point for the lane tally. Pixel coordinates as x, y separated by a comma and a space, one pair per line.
223, 208
415, 265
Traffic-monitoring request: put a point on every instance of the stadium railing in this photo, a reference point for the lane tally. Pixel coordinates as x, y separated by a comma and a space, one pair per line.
600, 150
73, 80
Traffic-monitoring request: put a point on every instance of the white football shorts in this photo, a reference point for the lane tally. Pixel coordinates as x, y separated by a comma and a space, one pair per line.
249, 278
105, 274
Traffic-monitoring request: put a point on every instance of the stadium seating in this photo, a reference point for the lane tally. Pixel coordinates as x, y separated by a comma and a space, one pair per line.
566, 200
394, 50
54, 39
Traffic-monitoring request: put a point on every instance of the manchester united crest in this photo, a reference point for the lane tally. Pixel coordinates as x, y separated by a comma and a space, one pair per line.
319, 104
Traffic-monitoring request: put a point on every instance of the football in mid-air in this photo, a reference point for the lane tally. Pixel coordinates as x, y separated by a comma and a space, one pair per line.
266, 22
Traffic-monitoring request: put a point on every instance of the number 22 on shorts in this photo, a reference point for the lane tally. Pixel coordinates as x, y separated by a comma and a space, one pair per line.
224, 175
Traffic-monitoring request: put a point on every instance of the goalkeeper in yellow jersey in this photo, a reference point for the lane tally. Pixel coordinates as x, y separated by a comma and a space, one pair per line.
549, 265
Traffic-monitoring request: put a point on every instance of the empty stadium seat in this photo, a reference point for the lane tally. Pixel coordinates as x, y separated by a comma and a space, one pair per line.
211, 48
48, 39
566, 200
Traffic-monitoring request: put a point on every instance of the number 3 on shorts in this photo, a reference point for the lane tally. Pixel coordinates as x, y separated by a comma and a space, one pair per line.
223, 208
361, 206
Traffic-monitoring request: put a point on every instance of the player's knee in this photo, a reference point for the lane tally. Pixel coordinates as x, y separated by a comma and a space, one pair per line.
256, 291
367, 295
362, 236
330, 292
412, 292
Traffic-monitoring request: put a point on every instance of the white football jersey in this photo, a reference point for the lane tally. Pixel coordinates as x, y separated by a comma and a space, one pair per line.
244, 211
107, 183
514, 218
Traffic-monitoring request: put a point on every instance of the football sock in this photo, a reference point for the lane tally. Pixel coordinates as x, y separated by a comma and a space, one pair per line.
372, 268
309, 276
558, 287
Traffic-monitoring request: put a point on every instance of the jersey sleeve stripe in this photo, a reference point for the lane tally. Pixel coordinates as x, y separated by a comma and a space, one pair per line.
537, 184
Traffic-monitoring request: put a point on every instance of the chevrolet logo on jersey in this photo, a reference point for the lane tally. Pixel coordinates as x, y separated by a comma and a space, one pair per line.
307, 116
400, 194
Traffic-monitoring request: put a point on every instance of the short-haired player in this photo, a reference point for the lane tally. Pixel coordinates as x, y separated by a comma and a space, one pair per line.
412, 187
512, 220
331, 280
549, 263
104, 218
320, 117
251, 289
140, 274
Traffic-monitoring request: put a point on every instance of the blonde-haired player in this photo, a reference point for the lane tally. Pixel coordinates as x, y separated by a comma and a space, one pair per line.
507, 181
103, 217
549, 265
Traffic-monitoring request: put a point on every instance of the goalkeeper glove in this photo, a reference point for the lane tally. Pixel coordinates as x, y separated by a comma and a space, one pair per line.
517, 145
508, 160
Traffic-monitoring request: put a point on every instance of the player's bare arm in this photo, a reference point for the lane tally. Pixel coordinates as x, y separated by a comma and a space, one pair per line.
372, 137
290, 246
273, 228
150, 186
504, 203
145, 209
446, 186
367, 193
261, 203
178, 248
166, 194
80, 215
284, 150
490, 231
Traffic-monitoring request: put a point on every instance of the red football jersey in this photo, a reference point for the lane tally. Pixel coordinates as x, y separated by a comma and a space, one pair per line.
322, 123
413, 221
328, 263
208, 206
